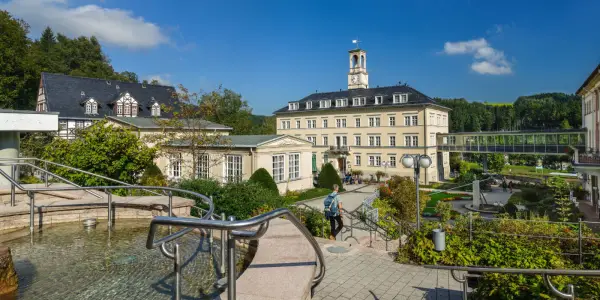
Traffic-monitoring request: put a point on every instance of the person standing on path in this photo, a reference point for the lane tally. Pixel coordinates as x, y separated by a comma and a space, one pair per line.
504, 185
510, 186
333, 211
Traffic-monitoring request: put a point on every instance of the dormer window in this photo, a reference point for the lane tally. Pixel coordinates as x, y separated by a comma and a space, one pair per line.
294, 105
127, 108
400, 98
91, 107
359, 101
309, 105
378, 100
156, 109
325, 103
341, 102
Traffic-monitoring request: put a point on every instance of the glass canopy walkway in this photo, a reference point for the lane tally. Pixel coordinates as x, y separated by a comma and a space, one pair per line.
557, 142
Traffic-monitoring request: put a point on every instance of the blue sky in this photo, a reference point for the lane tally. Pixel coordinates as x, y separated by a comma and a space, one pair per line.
273, 52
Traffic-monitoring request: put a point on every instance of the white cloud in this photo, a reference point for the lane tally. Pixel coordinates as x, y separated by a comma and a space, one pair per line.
163, 79
110, 25
487, 59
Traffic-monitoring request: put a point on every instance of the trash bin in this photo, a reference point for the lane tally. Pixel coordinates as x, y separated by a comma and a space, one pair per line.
439, 240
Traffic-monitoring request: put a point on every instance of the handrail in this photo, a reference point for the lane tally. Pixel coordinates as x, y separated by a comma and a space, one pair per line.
234, 228
73, 169
48, 172
546, 273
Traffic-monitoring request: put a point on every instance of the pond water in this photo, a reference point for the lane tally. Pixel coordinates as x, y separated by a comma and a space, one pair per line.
67, 261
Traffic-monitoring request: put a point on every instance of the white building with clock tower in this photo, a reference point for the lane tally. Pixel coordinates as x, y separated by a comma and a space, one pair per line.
358, 78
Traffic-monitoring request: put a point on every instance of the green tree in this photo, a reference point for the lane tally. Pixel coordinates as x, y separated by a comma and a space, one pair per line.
564, 124
128, 76
328, 177
153, 176
563, 206
102, 149
495, 162
154, 82
224, 106
262, 177
444, 209
404, 195
14, 72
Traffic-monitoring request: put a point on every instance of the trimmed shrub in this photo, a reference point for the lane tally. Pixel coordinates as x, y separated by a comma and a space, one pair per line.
329, 176
262, 177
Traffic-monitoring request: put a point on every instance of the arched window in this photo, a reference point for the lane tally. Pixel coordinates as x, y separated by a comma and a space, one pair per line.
88, 108
94, 107
354, 61
134, 108
155, 110
362, 61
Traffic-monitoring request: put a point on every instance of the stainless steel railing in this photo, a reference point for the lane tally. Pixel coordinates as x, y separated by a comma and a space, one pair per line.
546, 273
31, 193
231, 231
47, 162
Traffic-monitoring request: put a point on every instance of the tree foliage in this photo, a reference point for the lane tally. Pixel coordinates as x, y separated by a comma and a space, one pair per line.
224, 106
101, 149
404, 198
495, 162
262, 177
328, 177
15, 72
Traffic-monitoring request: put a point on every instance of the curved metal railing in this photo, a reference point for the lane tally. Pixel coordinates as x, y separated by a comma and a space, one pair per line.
236, 230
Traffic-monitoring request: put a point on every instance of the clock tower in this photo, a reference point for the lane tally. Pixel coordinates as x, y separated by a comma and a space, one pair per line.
358, 78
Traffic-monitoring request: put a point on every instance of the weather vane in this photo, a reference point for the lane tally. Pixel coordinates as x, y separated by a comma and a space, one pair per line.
356, 41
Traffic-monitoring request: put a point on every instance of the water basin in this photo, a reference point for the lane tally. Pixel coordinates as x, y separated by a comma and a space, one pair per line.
68, 261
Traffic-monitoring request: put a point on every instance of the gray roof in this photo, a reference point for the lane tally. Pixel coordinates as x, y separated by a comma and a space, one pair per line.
150, 123
240, 141
414, 98
63, 95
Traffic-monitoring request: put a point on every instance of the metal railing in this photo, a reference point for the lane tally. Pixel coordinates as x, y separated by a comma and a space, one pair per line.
231, 231
546, 273
16, 160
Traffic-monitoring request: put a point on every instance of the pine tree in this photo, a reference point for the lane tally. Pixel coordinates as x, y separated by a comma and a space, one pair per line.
47, 40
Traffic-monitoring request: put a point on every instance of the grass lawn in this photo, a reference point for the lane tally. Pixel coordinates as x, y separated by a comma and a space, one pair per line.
435, 198
528, 171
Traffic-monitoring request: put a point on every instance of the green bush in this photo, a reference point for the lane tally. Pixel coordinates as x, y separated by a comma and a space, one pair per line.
386, 213
240, 199
30, 180
262, 177
328, 177
295, 196
152, 176
314, 220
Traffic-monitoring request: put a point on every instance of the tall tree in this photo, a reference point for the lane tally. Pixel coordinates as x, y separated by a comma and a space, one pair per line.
224, 106
129, 77
14, 73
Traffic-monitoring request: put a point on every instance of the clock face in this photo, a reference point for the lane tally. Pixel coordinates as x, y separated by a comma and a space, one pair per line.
354, 79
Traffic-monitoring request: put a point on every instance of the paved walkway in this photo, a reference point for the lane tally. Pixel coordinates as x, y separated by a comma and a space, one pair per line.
363, 273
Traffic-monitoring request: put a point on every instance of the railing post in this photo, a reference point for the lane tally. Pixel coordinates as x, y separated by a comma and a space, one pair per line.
231, 264
223, 246
470, 227
31, 210
109, 199
46, 173
13, 201
580, 242
170, 204
177, 270
210, 231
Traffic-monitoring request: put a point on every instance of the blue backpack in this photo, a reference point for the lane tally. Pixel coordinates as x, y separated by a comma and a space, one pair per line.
331, 207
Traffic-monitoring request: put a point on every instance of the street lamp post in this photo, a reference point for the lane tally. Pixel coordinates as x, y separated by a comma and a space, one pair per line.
417, 161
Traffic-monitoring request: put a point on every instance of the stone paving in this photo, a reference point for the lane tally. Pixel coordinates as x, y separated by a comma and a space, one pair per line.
363, 273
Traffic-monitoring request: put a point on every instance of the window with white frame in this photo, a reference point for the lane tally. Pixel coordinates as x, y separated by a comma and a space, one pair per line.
378, 99
340, 123
285, 124
371, 141
278, 167
374, 122
392, 141
444, 121
119, 109
155, 110
357, 160
431, 119
325, 103
375, 160
452, 140
325, 141
359, 101
357, 140
377, 141
439, 120
175, 166
233, 168
312, 139
407, 140
325, 158
294, 166
414, 120
297, 123
393, 161
432, 139
341, 102
415, 141
78, 124
392, 121
88, 108
294, 105
311, 123
357, 122
403, 98
325, 123
134, 109
407, 121
127, 108
203, 167
344, 141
